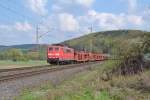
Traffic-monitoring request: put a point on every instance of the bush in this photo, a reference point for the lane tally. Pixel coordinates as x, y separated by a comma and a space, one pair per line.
14, 55
132, 56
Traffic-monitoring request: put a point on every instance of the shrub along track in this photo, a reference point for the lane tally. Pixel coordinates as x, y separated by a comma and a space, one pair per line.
12, 74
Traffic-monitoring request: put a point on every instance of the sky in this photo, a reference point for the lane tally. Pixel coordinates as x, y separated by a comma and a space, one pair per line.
59, 20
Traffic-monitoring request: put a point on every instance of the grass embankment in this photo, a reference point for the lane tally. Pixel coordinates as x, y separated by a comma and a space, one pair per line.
90, 85
11, 64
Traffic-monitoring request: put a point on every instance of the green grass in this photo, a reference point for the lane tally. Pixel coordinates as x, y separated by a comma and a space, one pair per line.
9, 63
78, 88
90, 85
32, 96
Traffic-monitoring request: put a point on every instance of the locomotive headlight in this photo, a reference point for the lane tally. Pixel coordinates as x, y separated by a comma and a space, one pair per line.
50, 54
57, 54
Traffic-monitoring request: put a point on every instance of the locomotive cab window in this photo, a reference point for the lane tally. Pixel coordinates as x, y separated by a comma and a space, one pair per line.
56, 49
50, 49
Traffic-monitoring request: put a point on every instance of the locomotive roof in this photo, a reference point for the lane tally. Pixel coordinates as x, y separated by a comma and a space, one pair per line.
58, 45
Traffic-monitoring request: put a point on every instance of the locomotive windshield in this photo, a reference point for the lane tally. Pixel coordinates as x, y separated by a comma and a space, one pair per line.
56, 49
50, 49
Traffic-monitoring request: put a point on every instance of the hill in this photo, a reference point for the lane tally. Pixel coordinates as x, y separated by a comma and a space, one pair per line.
22, 46
104, 41
2, 47
96, 42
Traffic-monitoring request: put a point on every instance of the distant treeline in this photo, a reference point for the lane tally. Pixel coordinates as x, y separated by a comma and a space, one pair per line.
20, 55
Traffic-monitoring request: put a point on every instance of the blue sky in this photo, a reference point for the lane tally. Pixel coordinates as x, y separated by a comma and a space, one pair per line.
66, 19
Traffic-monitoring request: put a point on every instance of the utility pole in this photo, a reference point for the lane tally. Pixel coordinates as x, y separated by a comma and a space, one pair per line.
91, 42
37, 34
91, 29
37, 42
37, 37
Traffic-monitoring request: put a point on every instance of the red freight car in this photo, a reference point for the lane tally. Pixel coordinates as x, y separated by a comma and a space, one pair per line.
81, 56
96, 57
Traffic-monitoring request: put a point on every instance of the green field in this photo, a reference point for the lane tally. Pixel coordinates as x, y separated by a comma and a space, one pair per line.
91, 85
11, 64
78, 88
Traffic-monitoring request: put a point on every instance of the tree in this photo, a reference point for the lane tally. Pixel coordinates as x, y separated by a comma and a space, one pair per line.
146, 43
131, 55
2, 55
33, 55
15, 54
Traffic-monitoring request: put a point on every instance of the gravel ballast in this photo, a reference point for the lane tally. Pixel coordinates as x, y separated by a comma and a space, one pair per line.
11, 89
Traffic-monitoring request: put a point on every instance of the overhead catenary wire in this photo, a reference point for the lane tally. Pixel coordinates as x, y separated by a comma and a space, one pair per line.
19, 14
15, 12
18, 7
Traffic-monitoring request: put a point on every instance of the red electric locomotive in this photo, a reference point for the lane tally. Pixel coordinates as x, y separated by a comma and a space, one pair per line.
59, 54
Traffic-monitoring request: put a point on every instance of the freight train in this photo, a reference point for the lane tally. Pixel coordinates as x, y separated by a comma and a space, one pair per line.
60, 54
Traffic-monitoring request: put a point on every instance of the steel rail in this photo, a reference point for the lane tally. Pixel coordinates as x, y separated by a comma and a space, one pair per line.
23, 68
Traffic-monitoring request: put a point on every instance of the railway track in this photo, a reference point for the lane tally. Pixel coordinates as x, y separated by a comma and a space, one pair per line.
23, 68
12, 74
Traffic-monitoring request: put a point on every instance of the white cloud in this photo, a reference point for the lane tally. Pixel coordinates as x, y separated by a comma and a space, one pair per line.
115, 21
70, 6
137, 20
132, 4
17, 33
86, 3
17, 27
68, 22
146, 17
100, 21
56, 7
110, 21
23, 27
38, 6
5, 28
